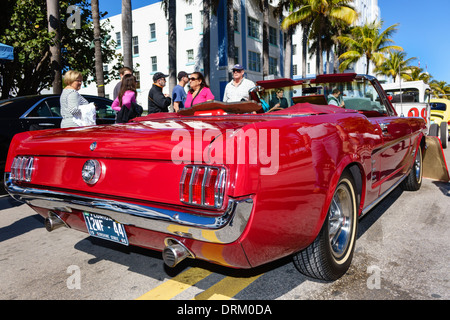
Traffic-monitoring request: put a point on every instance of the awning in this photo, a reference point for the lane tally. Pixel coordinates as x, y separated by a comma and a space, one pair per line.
6, 52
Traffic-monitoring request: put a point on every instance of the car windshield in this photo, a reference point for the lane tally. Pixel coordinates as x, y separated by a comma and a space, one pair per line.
358, 94
438, 106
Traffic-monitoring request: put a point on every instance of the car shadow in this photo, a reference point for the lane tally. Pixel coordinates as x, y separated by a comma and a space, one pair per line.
444, 187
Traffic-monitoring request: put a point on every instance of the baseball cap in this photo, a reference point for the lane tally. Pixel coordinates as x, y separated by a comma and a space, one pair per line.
159, 75
182, 74
237, 67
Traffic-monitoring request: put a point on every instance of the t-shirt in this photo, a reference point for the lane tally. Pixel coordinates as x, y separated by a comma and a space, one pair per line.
179, 95
237, 93
204, 95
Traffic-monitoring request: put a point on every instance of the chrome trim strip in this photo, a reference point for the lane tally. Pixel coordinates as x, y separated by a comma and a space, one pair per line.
377, 200
226, 228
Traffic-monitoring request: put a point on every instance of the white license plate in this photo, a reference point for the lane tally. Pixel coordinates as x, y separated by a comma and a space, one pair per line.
105, 228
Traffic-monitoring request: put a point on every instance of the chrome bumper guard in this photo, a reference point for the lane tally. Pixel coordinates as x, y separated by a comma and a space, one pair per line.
223, 229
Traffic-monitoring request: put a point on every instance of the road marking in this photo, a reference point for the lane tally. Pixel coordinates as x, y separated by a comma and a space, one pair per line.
226, 289
176, 285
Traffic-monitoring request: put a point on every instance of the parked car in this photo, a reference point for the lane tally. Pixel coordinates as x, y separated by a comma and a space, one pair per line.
440, 119
229, 183
39, 112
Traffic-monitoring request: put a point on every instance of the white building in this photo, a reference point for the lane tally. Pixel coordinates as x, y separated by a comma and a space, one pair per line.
150, 44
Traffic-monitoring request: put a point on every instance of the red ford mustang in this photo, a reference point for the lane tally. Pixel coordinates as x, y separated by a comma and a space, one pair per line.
238, 184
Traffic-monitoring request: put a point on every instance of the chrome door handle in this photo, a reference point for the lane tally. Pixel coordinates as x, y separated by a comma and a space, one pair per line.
384, 127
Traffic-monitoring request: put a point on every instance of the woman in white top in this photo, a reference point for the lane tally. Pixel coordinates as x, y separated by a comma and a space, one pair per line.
70, 99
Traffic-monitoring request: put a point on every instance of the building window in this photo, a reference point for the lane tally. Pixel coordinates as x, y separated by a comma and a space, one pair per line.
236, 55
189, 24
190, 56
135, 43
236, 20
273, 36
137, 74
118, 40
294, 49
294, 70
254, 61
309, 68
154, 64
253, 28
273, 66
152, 32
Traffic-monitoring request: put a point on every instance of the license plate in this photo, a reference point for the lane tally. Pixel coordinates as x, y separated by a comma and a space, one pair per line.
105, 228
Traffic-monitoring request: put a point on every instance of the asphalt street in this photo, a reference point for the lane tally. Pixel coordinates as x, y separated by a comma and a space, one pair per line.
402, 253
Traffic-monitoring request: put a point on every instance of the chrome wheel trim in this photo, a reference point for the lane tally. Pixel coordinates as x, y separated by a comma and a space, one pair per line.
418, 166
340, 221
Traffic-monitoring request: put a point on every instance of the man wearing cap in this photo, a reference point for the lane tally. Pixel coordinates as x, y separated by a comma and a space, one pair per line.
237, 89
178, 93
157, 101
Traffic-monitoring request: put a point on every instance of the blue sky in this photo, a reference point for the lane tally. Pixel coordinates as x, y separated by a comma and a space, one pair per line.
422, 31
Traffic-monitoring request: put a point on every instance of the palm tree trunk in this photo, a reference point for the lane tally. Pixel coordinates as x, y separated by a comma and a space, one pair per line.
98, 49
127, 33
206, 50
172, 25
265, 38
230, 32
55, 49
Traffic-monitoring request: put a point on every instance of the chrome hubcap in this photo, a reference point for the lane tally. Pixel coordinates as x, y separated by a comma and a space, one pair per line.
340, 221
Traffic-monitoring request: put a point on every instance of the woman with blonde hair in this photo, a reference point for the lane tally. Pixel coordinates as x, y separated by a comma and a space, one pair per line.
71, 100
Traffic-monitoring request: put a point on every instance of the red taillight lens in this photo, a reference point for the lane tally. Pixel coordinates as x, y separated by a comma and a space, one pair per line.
22, 168
203, 186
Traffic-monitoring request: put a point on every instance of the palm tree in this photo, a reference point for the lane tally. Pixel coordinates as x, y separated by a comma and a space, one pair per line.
396, 66
417, 73
98, 49
321, 14
368, 42
127, 33
440, 89
55, 47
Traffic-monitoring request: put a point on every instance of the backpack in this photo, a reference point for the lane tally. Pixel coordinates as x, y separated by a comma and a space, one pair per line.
125, 114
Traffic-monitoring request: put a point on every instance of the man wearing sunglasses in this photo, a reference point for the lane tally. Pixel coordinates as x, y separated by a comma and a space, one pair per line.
237, 88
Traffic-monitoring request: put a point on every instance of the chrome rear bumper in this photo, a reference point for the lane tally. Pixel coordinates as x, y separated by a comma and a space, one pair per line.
193, 224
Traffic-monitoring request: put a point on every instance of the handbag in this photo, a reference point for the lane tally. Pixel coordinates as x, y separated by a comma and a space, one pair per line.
126, 114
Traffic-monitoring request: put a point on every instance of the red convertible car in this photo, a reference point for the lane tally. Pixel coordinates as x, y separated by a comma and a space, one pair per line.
237, 184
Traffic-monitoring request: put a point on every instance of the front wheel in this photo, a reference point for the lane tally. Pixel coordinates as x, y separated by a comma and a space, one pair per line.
329, 256
413, 181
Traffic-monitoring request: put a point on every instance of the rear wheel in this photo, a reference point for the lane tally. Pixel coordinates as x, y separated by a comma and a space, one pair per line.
330, 255
414, 180
443, 133
434, 130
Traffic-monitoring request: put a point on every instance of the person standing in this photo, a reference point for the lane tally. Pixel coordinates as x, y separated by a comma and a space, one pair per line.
71, 99
157, 100
127, 93
199, 91
178, 93
237, 89
122, 72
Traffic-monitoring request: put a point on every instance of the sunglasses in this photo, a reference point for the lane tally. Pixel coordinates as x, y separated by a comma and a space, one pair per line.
193, 79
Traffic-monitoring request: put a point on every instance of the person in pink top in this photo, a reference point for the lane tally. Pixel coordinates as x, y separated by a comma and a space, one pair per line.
199, 91
127, 93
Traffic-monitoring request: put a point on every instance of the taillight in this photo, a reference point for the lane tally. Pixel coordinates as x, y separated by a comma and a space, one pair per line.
203, 186
22, 168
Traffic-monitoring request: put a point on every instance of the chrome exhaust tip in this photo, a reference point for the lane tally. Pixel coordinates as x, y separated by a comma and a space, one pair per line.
175, 252
53, 221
